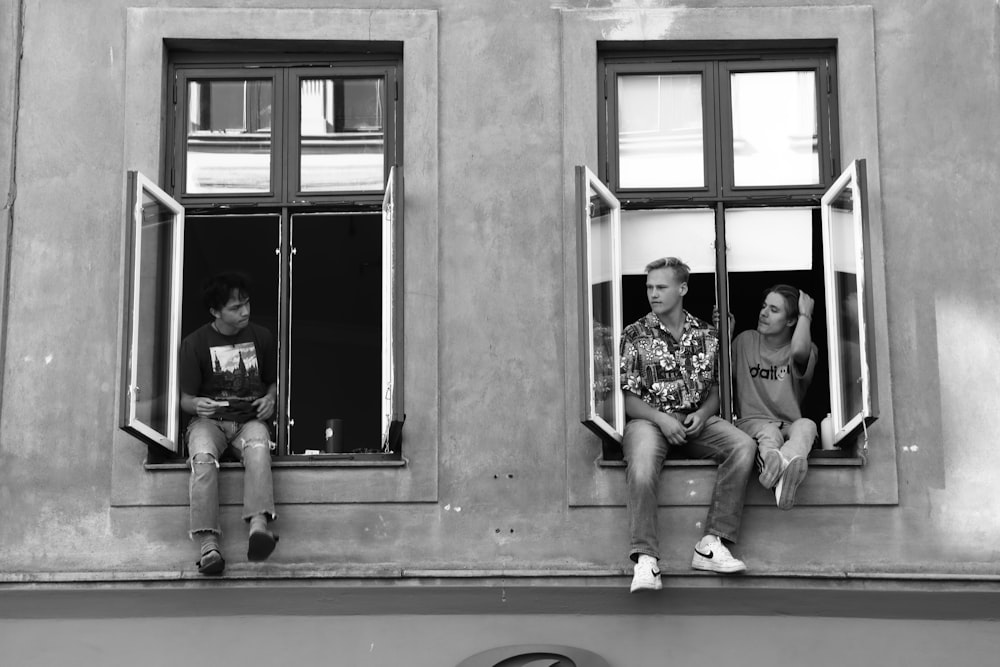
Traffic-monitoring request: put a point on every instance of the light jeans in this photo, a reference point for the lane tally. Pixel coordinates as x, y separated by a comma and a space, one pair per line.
791, 439
207, 440
646, 448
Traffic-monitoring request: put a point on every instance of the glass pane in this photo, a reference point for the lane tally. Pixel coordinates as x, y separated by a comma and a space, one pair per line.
152, 344
775, 136
342, 134
769, 239
335, 341
685, 233
605, 327
229, 136
660, 134
845, 253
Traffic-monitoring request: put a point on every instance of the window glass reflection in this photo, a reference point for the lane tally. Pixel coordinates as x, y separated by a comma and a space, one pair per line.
660, 134
844, 250
229, 136
602, 275
341, 134
775, 136
153, 354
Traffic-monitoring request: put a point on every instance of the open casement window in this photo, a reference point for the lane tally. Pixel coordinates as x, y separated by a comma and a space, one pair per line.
150, 395
853, 401
599, 220
392, 338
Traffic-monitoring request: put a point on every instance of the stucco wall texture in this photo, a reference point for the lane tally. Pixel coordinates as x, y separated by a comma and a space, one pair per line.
501, 491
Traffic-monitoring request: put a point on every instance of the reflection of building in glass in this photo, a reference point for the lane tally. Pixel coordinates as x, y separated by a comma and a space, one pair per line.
604, 372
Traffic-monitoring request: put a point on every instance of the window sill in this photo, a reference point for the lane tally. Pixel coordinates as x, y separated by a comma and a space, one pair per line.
831, 459
305, 461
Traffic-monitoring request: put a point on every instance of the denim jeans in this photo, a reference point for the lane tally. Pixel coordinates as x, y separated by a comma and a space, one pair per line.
645, 449
207, 440
791, 439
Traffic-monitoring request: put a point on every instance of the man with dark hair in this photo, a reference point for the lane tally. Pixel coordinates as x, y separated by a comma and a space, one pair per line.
670, 378
773, 368
228, 383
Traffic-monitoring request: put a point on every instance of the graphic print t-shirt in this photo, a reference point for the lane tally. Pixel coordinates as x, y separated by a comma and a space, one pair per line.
238, 369
767, 383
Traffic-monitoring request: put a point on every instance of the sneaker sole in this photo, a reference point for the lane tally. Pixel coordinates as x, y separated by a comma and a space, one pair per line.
794, 475
769, 479
211, 564
656, 586
702, 563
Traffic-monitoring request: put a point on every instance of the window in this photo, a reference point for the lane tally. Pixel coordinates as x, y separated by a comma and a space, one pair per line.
727, 158
283, 167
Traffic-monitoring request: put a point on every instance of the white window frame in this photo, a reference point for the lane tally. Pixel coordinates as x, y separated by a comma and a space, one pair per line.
589, 186
132, 388
392, 394
854, 180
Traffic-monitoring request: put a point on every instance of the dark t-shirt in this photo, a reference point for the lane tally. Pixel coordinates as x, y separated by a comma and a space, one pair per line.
237, 368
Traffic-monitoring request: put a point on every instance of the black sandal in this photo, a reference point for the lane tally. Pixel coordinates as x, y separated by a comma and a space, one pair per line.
211, 563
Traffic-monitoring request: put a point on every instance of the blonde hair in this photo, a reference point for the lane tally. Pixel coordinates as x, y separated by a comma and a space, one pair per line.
681, 270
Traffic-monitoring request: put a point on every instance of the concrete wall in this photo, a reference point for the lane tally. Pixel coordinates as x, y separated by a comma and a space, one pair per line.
436, 641
496, 430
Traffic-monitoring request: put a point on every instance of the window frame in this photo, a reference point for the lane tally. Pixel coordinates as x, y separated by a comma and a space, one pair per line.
285, 78
599, 483
717, 61
129, 389
609, 148
855, 179
392, 311
823, 64
153, 30
721, 195
193, 59
589, 186
178, 119
390, 157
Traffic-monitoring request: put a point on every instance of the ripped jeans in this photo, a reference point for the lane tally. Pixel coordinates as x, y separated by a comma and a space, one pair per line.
207, 440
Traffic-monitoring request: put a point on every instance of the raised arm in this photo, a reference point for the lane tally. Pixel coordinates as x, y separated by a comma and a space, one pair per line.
802, 337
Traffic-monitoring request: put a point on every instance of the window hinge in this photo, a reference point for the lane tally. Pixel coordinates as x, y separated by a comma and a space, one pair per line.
396, 93
171, 178
175, 91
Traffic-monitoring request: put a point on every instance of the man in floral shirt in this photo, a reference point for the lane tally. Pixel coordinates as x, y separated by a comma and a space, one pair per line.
670, 378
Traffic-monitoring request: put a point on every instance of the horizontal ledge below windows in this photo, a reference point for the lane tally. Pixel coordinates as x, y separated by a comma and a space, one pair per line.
305, 461
836, 460
402, 591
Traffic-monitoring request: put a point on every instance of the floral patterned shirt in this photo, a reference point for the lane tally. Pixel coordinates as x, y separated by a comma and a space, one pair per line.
670, 375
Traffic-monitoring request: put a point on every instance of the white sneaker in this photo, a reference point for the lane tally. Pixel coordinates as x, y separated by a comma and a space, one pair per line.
646, 575
792, 476
712, 555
